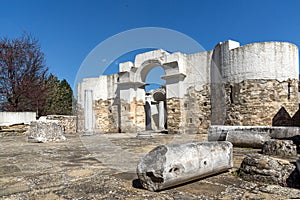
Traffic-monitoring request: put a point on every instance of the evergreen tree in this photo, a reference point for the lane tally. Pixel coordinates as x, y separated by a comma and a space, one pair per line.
60, 97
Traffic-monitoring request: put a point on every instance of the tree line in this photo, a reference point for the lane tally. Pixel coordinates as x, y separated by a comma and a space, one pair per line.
25, 81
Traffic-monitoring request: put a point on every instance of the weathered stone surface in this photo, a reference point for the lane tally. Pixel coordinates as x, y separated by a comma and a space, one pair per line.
174, 115
256, 102
17, 129
68, 122
169, 165
46, 131
68, 170
279, 147
262, 168
197, 109
243, 136
246, 139
247, 134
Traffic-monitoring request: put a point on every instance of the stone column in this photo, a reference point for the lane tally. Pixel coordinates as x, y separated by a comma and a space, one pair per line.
88, 111
174, 164
161, 115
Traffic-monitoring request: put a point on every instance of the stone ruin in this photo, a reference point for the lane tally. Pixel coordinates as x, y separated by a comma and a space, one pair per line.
46, 131
170, 165
276, 163
250, 85
68, 122
239, 94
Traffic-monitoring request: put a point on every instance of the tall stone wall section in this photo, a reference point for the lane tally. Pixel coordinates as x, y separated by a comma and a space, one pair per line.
175, 120
256, 102
80, 118
133, 116
197, 109
106, 116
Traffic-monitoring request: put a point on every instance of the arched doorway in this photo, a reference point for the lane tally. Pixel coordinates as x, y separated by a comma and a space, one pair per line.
132, 84
155, 100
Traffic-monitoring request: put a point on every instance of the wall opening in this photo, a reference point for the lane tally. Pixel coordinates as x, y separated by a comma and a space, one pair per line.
155, 100
231, 94
289, 91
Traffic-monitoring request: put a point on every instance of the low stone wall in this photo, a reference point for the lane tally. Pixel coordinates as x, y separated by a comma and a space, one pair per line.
11, 118
68, 122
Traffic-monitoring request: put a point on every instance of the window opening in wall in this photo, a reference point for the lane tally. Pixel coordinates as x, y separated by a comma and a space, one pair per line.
289, 90
231, 94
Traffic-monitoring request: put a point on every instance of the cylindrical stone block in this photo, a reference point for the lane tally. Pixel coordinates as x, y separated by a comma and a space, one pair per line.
169, 165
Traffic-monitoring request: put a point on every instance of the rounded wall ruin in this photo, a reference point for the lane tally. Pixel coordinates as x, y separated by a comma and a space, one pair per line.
261, 80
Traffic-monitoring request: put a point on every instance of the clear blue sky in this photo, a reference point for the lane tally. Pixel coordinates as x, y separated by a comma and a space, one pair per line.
69, 29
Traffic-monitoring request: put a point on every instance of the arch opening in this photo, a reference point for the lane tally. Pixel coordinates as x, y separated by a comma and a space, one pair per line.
155, 98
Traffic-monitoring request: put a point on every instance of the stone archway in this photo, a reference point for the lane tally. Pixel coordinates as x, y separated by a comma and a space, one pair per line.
132, 90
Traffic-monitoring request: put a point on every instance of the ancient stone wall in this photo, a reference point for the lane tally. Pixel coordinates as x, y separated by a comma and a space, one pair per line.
106, 116
175, 120
68, 122
256, 102
132, 116
80, 119
197, 109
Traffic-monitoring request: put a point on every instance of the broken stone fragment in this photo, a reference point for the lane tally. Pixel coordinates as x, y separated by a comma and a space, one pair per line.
169, 165
280, 148
46, 131
263, 168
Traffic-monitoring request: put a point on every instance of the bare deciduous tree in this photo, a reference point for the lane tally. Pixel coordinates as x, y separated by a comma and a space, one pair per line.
22, 75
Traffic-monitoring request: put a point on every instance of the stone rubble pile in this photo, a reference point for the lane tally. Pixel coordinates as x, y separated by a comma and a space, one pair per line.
263, 168
270, 169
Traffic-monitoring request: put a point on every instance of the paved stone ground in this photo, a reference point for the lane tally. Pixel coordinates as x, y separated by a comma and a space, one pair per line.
103, 167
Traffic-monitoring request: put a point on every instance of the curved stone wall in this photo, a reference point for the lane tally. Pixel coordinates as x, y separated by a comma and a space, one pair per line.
266, 60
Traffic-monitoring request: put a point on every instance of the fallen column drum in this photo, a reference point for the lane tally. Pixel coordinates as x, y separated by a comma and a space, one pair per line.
169, 165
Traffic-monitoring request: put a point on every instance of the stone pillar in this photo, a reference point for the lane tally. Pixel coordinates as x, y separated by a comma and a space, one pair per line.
161, 115
175, 91
88, 111
174, 164
132, 107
